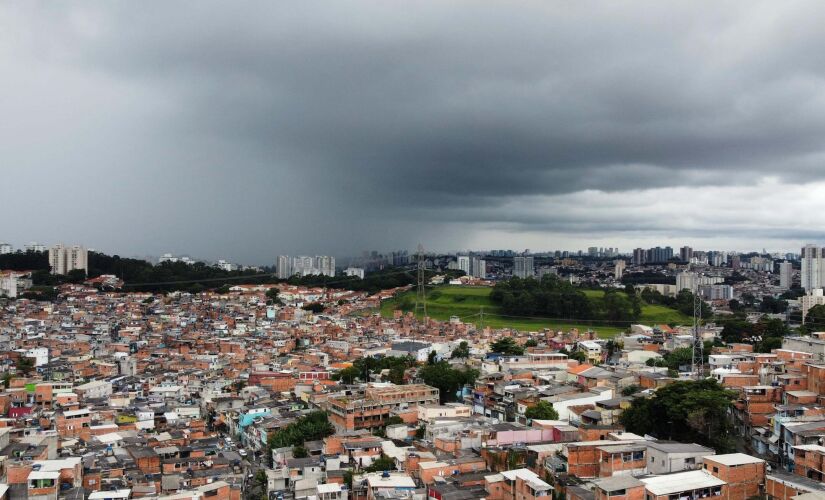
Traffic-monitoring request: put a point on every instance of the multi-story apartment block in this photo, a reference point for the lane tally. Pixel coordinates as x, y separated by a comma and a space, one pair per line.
63, 259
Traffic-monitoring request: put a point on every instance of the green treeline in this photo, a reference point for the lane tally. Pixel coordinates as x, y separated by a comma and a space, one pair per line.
552, 297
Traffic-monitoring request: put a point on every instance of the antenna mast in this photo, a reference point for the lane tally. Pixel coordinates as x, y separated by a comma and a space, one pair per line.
420, 294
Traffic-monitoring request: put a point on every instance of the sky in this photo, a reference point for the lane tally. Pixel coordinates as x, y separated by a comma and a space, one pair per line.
243, 130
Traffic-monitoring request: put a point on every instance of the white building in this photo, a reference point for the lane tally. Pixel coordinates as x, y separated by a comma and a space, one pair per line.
785, 275
716, 292
354, 271
63, 259
813, 298
812, 267
284, 267
5, 248
40, 355
618, 269
12, 283
478, 268
463, 264
226, 266
523, 266
35, 247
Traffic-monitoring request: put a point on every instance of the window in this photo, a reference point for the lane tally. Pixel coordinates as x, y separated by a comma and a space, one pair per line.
715, 470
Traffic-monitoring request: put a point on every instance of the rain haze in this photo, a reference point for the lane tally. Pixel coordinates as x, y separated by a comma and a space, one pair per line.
244, 130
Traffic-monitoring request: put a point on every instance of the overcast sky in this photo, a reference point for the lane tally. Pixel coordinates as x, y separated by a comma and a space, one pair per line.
242, 130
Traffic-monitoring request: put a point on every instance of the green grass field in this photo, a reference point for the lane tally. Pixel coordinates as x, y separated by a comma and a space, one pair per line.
468, 302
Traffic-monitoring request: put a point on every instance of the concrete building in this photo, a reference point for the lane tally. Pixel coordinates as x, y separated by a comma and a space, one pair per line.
358, 272
523, 266
5, 248
63, 259
785, 275
284, 267
812, 267
463, 264
618, 269
34, 246
814, 297
685, 254
13, 283
478, 268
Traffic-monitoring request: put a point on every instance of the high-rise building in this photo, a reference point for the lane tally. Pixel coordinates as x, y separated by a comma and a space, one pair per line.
735, 262
463, 264
358, 272
5, 248
686, 280
35, 247
812, 267
523, 266
63, 259
638, 256
685, 254
593, 251
618, 269
478, 267
785, 275
284, 267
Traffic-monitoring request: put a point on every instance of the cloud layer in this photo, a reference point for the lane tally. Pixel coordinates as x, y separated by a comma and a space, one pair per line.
256, 128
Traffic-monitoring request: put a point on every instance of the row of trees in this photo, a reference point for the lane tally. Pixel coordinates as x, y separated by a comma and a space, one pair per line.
310, 427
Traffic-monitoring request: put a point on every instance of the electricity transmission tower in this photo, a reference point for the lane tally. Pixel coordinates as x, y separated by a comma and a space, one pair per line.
698, 344
420, 293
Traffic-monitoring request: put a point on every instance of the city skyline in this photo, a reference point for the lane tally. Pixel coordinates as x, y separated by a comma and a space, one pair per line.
292, 129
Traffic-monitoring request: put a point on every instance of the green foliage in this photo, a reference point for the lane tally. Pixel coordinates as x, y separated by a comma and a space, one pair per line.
308, 428
542, 411
506, 346
432, 357
41, 292
314, 307
348, 375
420, 433
579, 356
447, 379
771, 305
684, 411
272, 295
25, 365
740, 330
381, 464
394, 420
815, 319
397, 365
299, 452
551, 297
223, 289
462, 351
630, 390
531, 342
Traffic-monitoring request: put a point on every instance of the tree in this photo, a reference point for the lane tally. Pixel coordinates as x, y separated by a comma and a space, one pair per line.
815, 319
630, 390
432, 357
394, 420
299, 451
348, 374
314, 307
313, 426
76, 276
25, 365
506, 346
531, 342
542, 411
222, 290
447, 379
685, 411
462, 351
272, 295
382, 463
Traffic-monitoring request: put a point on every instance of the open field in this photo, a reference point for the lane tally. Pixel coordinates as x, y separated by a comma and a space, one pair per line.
468, 303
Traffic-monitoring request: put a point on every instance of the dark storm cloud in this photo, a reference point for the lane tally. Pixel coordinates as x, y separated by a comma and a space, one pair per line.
345, 122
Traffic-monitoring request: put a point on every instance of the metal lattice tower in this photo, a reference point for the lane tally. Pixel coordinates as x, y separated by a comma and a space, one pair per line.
420, 294
698, 344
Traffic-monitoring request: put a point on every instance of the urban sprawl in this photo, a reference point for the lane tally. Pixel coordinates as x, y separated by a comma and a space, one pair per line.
653, 374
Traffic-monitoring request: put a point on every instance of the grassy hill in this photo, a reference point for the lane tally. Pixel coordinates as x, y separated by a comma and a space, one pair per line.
468, 302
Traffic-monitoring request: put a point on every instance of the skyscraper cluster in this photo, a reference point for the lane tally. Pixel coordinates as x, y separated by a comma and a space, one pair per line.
303, 265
